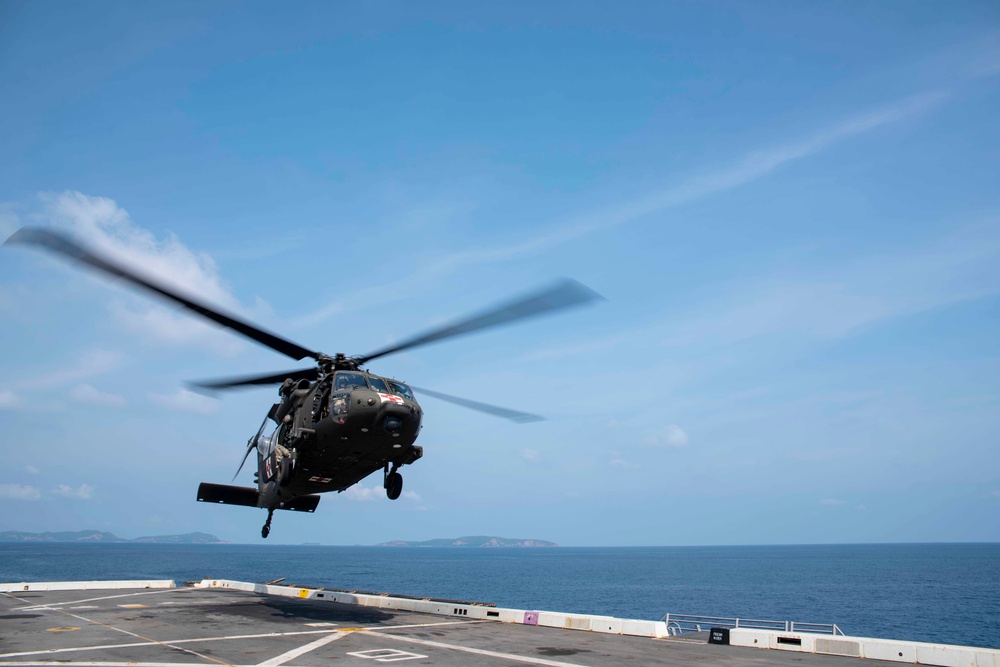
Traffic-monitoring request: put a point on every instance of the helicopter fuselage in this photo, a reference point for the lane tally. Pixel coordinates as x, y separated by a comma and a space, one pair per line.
328, 435
333, 433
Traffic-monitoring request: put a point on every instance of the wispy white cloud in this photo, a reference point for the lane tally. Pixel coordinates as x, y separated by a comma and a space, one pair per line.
749, 168
172, 327
530, 455
365, 297
84, 393
363, 494
32, 470
817, 303
19, 492
618, 462
102, 224
183, 400
985, 59
9, 222
6, 302
82, 492
89, 364
587, 348
8, 400
834, 302
670, 435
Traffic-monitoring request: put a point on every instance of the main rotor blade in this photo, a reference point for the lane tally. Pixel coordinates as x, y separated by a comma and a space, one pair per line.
63, 245
250, 447
251, 380
564, 294
513, 415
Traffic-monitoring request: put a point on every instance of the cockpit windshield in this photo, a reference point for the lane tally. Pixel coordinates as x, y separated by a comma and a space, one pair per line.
348, 380
378, 384
401, 389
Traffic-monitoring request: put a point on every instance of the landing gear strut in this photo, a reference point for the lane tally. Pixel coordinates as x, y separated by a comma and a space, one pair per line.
266, 530
393, 482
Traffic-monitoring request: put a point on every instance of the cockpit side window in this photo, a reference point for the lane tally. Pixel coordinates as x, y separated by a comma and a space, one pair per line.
265, 443
348, 380
378, 384
401, 389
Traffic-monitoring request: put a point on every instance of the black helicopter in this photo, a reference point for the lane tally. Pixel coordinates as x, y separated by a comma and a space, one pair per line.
336, 423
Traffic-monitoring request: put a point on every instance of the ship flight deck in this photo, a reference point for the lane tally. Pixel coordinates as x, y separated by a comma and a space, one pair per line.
215, 622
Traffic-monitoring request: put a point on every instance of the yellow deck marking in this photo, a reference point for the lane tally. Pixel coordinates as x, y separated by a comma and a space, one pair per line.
66, 629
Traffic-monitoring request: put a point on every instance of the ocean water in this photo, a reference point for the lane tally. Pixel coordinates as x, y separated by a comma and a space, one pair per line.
948, 593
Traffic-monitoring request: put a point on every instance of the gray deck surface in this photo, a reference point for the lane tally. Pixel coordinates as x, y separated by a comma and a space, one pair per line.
190, 626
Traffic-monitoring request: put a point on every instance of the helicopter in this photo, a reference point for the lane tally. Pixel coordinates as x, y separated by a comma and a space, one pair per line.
335, 422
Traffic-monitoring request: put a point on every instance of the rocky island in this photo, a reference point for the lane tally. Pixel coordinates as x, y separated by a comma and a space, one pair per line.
100, 536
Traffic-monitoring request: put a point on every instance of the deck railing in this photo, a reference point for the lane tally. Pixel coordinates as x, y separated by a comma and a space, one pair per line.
678, 624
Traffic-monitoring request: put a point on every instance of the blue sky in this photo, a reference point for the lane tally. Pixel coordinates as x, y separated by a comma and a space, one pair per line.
791, 209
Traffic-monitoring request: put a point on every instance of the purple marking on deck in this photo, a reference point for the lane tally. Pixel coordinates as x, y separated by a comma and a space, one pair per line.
531, 618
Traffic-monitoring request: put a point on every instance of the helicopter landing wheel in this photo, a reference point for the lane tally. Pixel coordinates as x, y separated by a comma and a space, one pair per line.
393, 485
266, 530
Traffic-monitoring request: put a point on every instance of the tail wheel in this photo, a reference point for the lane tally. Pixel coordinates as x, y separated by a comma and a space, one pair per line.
393, 485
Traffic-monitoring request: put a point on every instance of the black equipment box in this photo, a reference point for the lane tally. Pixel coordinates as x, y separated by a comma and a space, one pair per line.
718, 636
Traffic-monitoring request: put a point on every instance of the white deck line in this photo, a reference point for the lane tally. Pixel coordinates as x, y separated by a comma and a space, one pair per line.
59, 605
288, 656
196, 640
524, 659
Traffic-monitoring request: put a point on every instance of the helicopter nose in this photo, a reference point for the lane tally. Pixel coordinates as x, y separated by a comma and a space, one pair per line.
393, 425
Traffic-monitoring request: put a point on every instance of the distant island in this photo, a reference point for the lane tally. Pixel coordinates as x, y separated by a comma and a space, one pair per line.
99, 536
471, 541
